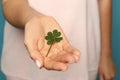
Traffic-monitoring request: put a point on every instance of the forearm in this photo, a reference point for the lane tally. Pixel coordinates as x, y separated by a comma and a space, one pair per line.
17, 12
105, 9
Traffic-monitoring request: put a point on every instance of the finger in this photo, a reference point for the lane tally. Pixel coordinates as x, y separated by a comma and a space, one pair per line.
112, 76
38, 58
74, 51
34, 52
64, 57
70, 49
108, 77
101, 77
54, 65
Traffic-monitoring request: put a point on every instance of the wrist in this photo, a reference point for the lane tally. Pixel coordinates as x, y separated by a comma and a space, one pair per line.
106, 52
31, 14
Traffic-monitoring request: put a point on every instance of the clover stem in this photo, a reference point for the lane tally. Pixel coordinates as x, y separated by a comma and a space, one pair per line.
49, 50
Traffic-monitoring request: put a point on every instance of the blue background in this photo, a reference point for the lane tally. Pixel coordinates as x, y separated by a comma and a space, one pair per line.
115, 37
2, 21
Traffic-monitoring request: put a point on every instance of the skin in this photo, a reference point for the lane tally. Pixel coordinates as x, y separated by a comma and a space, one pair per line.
106, 65
35, 27
60, 54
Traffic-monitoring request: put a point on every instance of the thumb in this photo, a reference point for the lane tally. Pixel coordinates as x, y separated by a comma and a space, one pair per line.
32, 48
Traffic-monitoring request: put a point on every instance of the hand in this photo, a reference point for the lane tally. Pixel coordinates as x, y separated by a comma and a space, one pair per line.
106, 68
60, 54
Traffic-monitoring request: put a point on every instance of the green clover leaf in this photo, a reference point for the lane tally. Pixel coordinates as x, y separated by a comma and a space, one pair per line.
53, 37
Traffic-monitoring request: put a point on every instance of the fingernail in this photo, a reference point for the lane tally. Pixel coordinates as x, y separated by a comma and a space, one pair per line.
38, 63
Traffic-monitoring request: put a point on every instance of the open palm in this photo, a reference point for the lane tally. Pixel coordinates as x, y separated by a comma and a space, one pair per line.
60, 53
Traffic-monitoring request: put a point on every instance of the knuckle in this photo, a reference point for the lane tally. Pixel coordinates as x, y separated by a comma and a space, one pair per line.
70, 59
